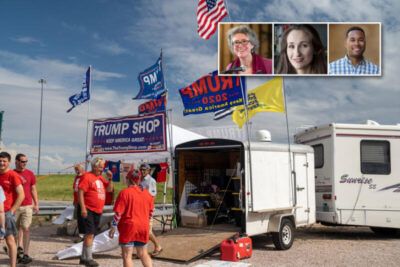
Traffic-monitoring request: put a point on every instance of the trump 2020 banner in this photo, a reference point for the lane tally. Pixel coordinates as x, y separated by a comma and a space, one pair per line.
133, 134
151, 81
211, 93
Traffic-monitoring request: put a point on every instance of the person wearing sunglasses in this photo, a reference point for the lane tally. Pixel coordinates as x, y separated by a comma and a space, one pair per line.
29, 205
243, 43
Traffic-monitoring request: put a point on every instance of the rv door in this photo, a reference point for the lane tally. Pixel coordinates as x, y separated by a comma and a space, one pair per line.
302, 205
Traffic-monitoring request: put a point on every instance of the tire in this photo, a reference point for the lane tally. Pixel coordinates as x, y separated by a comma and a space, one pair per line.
283, 240
385, 232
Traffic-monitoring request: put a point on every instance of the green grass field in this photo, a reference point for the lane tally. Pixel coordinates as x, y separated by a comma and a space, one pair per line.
59, 187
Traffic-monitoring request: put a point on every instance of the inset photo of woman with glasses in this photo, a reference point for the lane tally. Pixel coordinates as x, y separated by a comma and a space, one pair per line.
245, 49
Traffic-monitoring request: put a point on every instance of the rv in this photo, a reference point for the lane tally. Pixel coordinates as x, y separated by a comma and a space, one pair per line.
264, 188
357, 168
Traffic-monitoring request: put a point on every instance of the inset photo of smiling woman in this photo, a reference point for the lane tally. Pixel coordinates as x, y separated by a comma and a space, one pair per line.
300, 49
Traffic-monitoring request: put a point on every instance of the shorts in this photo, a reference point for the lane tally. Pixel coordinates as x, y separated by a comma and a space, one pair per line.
133, 244
11, 226
24, 216
90, 224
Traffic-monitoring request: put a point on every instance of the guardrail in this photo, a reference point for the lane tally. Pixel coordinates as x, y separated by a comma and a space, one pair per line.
51, 210
57, 210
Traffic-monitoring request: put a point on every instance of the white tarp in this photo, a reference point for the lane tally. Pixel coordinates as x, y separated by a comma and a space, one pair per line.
101, 243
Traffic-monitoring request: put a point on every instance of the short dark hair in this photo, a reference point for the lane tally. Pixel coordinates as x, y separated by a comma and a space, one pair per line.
6, 155
19, 156
354, 28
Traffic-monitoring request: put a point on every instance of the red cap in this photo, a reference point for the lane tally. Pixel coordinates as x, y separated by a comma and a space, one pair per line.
134, 176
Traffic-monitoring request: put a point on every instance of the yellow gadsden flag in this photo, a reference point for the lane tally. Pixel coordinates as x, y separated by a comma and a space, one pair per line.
266, 97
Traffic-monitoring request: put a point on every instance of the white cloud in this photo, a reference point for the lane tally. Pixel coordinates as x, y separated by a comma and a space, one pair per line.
63, 134
112, 48
27, 40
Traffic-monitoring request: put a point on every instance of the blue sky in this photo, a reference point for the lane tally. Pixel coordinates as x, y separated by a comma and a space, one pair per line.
57, 40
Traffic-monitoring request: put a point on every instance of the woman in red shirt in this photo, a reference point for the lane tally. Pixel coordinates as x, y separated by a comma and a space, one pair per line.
133, 209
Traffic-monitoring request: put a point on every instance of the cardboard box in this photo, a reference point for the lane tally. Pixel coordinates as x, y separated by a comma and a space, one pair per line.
194, 220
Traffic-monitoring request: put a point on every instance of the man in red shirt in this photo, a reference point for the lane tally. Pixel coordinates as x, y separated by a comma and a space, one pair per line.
133, 209
91, 199
14, 192
29, 205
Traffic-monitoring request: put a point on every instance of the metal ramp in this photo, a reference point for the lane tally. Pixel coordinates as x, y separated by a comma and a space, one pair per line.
189, 244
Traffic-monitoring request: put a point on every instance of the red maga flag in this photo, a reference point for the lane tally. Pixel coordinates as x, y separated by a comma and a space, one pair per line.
209, 13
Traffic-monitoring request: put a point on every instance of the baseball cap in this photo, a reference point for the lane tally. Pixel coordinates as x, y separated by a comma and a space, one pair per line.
145, 166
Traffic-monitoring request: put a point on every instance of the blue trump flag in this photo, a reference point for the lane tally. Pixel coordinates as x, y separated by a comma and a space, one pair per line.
211, 93
151, 81
83, 95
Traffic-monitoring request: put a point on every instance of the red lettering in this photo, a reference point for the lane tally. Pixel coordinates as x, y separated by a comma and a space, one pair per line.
212, 101
224, 97
237, 81
216, 87
227, 82
204, 100
201, 88
187, 91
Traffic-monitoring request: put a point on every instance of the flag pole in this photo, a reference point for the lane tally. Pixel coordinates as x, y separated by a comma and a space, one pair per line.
244, 94
246, 112
169, 123
289, 148
87, 119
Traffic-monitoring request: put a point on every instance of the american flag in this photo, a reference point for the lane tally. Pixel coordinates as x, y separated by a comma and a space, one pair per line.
209, 13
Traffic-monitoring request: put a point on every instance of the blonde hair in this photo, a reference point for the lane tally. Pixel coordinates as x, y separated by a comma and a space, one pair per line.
96, 162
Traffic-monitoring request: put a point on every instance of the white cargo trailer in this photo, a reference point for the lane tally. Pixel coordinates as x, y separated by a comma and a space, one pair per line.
357, 168
266, 191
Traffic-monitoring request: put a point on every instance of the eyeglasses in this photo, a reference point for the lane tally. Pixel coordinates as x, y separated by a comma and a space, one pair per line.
242, 42
23, 161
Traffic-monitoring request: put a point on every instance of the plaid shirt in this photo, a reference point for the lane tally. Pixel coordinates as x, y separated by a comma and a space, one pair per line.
344, 66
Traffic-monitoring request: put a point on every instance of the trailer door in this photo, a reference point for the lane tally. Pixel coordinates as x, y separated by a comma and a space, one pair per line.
302, 205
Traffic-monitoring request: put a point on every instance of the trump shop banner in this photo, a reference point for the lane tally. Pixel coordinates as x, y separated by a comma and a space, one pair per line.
133, 134
211, 93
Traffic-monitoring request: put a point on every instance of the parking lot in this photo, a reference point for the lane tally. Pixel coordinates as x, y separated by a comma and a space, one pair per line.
315, 246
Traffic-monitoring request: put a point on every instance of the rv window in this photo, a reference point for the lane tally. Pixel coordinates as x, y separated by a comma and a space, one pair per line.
318, 156
375, 157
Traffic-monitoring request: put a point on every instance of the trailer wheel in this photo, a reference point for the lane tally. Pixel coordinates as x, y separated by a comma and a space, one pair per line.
284, 238
386, 232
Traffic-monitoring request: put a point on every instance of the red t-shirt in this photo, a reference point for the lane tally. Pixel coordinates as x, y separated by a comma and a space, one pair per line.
135, 206
9, 181
94, 188
75, 187
28, 179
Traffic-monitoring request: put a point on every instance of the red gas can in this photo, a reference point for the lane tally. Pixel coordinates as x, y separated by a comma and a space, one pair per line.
236, 248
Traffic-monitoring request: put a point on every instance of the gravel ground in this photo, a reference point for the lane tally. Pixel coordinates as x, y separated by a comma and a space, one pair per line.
315, 246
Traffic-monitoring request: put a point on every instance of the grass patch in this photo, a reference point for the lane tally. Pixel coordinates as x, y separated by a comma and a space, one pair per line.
59, 187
